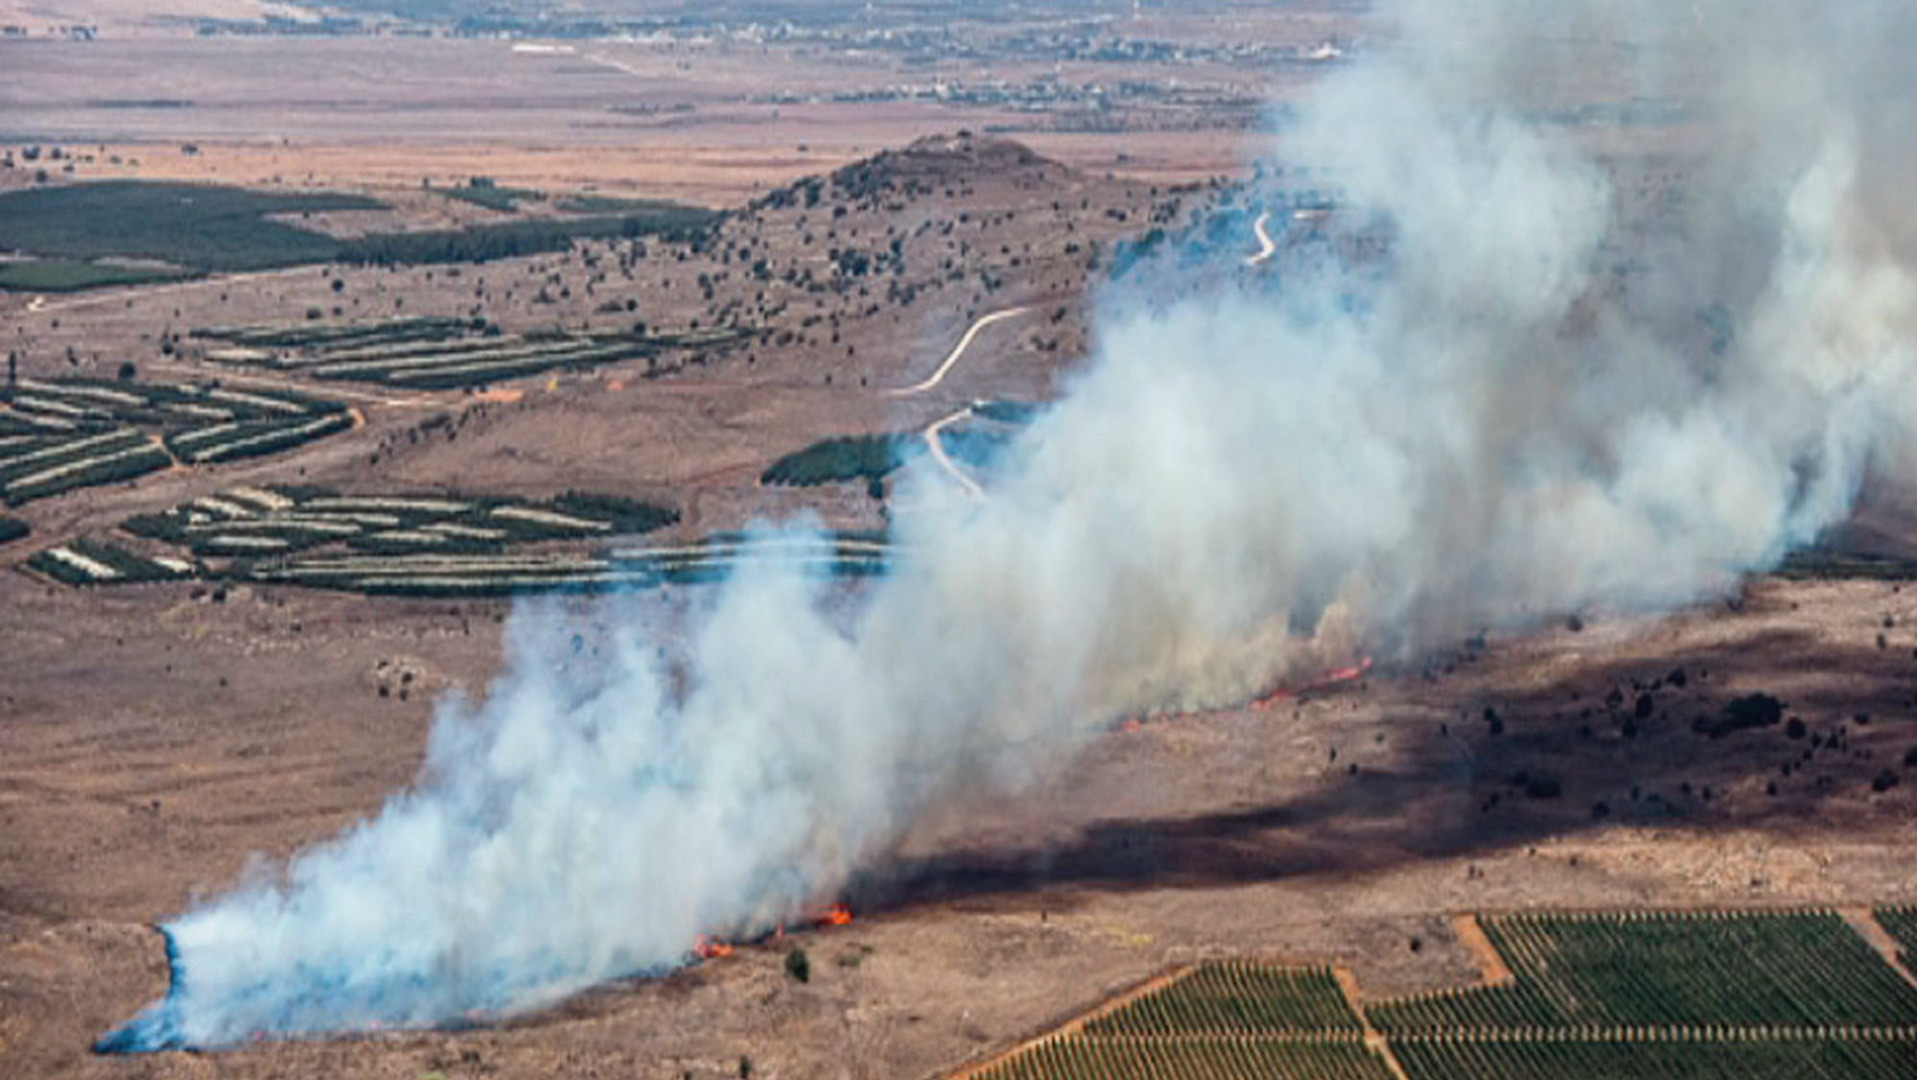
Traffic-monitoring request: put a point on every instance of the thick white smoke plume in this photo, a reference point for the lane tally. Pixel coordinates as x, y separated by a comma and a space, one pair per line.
1520, 393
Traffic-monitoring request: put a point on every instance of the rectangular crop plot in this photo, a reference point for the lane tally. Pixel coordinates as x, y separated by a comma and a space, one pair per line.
1901, 922
1192, 1057
415, 544
436, 353
1545, 1057
60, 434
1793, 969
52, 466
88, 562
1236, 997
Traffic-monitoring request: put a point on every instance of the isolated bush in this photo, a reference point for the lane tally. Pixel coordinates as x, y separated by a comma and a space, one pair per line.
1742, 714
798, 964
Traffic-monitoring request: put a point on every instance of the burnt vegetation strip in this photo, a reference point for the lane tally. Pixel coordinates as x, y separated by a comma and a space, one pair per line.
207, 228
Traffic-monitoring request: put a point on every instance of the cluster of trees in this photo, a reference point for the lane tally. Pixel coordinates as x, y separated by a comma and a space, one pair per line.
860, 457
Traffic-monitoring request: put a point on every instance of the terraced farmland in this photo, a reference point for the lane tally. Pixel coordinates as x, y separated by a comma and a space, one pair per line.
59, 435
435, 353
445, 544
506, 573
284, 520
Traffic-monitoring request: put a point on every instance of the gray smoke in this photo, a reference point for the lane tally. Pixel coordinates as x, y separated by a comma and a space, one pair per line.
1539, 391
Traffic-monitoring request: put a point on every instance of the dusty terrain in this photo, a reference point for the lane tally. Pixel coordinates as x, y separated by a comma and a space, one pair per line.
156, 740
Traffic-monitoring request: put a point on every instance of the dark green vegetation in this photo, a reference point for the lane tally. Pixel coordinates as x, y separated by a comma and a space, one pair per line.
61, 434
1232, 1019
460, 571
447, 544
205, 228
280, 521
859, 457
426, 328
1192, 1057
1798, 969
1741, 714
1824, 564
1623, 996
437, 353
490, 195
977, 447
12, 529
73, 275
1236, 996
201, 226
1668, 1057
482, 243
1902, 924
612, 205
88, 562
1008, 412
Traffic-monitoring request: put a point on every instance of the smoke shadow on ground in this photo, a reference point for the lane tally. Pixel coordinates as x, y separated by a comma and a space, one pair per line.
1616, 743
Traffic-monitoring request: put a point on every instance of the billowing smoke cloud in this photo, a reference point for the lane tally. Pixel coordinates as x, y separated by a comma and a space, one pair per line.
1529, 396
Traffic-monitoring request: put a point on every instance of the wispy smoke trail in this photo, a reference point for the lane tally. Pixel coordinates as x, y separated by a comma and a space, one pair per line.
1531, 399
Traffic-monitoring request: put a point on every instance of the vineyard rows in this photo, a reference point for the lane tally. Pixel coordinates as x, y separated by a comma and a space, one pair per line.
1644, 995
1901, 922
59, 435
1798, 969
1867, 1058
1192, 1057
441, 544
88, 562
284, 520
1237, 998
434, 354
505, 573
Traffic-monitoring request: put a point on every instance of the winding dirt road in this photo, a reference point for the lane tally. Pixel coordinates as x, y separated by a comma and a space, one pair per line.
1266, 246
958, 351
945, 461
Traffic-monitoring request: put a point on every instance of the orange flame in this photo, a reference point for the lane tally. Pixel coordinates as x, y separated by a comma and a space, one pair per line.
1331, 679
708, 947
837, 915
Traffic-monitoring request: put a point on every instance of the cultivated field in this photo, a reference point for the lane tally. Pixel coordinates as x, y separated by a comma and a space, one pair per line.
1627, 994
